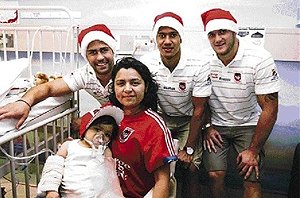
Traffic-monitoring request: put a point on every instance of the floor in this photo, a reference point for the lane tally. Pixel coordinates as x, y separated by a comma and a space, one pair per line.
21, 193
238, 193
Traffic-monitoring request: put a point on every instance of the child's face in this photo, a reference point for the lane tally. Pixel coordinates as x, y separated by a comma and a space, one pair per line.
99, 134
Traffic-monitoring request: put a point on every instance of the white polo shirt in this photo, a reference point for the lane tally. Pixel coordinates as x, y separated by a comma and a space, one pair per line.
85, 78
191, 77
234, 87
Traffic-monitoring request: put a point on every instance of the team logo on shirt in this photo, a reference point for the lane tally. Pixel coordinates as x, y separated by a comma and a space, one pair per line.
214, 75
125, 134
237, 77
182, 86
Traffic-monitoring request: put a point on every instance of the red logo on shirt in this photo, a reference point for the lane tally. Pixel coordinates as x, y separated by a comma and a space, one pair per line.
125, 134
182, 86
237, 77
214, 75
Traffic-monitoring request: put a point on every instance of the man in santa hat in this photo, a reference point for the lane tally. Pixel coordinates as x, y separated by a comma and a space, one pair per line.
98, 48
184, 88
243, 75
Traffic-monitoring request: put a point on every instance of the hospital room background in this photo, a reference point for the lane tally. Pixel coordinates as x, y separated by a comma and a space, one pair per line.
273, 24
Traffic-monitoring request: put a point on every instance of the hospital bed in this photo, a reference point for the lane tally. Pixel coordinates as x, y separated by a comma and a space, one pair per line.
48, 48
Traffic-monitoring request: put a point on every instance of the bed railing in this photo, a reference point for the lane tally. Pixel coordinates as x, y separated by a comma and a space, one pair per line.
20, 148
52, 49
56, 41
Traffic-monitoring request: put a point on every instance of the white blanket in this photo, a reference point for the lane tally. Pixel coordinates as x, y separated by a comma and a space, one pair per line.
39, 109
9, 72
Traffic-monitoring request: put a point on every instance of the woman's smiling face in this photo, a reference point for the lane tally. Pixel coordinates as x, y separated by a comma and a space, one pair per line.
129, 89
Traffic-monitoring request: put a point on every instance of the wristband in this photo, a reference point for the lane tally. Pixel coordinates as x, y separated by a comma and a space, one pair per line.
21, 100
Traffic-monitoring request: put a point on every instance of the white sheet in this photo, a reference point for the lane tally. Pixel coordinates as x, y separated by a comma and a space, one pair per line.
9, 72
7, 125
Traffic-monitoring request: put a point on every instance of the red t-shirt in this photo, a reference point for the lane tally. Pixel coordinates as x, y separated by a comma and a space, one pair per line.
144, 143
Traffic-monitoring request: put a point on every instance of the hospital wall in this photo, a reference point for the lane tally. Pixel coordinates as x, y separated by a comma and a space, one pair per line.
135, 18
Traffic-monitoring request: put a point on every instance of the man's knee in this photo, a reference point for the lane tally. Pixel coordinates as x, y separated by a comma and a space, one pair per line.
216, 175
251, 185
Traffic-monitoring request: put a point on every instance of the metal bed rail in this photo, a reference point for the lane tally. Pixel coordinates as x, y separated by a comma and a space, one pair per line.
52, 49
43, 42
36, 142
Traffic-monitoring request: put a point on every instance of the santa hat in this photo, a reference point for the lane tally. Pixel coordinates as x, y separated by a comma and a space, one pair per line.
168, 19
88, 118
217, 19
96, 32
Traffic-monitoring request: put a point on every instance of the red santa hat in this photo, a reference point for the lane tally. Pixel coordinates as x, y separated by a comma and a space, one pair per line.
96, 32
217, 19
88, 118
168, 19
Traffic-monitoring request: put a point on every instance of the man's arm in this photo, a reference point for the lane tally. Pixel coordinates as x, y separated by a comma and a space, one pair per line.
20, 109
248, 159
53, 88
197, 121
211, 137
267, 119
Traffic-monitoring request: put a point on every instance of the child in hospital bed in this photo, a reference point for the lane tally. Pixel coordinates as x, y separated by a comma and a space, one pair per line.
84, 167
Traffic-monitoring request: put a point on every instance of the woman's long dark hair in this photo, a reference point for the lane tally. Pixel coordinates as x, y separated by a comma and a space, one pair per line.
150, 98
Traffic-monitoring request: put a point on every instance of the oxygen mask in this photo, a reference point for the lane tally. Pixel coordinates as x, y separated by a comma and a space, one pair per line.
99, 142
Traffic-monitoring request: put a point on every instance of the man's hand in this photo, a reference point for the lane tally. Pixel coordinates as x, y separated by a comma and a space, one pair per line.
211, 139
247, 161
17, 110
185, 158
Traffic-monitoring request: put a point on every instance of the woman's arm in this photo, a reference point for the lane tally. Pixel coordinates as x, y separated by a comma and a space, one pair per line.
162, 180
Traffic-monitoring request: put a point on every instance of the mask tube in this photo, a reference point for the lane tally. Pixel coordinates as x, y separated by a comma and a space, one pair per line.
98, 143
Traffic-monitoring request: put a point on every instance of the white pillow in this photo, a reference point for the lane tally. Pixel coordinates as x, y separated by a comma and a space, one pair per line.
9, 72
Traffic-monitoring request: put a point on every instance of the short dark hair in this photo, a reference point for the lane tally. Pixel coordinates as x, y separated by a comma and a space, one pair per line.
150, 98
